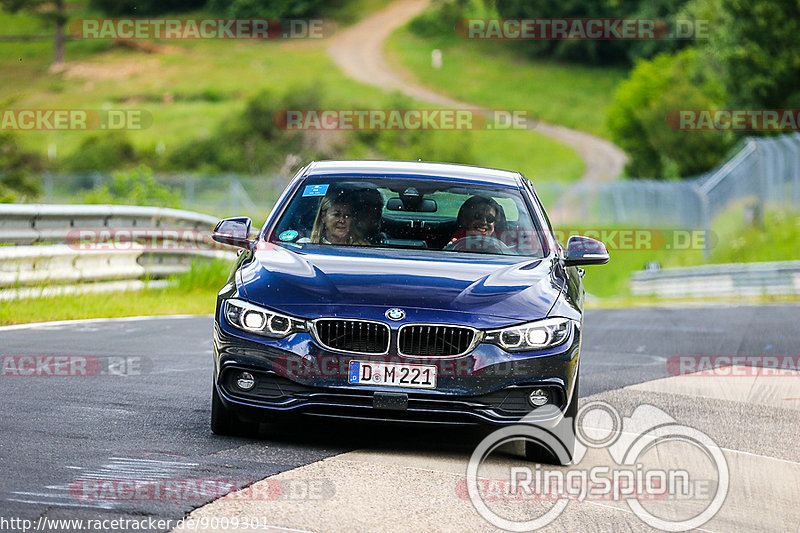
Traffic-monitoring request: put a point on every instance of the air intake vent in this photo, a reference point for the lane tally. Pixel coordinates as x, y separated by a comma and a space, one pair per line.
423, 340
357, 336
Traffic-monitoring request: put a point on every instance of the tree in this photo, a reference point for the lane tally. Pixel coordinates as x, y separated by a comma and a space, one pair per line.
614, 51
272, 8
120, 8
637, 118
756, 43
51, 11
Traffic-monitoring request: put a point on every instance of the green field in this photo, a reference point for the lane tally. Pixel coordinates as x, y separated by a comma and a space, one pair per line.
732, 242
191, 293
189, 87
108, 305
195, 291
489, 73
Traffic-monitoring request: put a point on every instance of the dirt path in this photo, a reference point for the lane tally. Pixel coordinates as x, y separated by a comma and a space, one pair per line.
358, 51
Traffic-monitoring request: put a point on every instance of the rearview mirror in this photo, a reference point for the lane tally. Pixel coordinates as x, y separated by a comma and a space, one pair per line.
585, 251
427, 205
234, 231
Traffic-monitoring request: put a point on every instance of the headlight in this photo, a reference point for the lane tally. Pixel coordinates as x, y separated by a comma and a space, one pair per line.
249, 317
533, 335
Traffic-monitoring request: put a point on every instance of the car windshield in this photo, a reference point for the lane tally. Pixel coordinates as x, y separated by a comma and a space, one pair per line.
427, 214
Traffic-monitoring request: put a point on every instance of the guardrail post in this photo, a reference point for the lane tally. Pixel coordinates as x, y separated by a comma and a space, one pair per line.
705, 218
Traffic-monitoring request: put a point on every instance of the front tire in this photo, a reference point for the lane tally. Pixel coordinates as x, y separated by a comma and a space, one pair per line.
225, 421
564, 432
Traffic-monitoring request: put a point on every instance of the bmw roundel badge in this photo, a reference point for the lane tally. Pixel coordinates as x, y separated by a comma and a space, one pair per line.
395, 314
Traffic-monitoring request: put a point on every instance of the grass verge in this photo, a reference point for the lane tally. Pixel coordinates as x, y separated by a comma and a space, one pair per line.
108, 305
492, 74
194, 292
733, 241
189, 87
191, 293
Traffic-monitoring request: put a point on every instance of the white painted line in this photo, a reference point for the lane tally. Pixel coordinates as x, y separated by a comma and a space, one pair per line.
740, 452
35, 325
60, 504
624, 510
742, 384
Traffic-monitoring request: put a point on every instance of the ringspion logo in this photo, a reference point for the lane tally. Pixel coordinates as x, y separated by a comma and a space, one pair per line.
693, 487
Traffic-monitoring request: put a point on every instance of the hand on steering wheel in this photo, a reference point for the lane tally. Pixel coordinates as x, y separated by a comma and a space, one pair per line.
480, 243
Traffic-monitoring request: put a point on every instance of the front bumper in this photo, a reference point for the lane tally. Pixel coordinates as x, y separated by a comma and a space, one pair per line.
294, 376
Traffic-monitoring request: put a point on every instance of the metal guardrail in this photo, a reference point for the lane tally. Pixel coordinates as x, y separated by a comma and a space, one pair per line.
61, 263
54, 263
48, 223
738, 279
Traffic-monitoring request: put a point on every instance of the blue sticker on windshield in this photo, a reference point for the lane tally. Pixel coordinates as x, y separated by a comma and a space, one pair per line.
315, 190
288, 235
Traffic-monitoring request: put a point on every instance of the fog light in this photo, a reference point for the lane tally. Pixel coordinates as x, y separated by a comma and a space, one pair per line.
246, 381
538, 397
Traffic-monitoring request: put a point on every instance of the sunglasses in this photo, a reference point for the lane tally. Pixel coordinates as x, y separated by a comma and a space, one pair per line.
488, 218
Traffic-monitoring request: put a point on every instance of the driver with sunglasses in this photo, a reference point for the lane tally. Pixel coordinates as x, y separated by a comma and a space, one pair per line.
479, 215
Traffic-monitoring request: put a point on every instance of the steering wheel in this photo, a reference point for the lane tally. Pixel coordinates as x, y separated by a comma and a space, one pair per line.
480, 243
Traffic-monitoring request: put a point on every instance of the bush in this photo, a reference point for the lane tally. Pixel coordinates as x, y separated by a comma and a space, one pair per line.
454, 146
439, 20
135, 187
272, 8
104, 151
251, 142
19, 180
117, 8
637, 118
595, 51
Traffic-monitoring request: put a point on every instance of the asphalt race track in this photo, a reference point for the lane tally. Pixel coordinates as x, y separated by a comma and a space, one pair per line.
143, 416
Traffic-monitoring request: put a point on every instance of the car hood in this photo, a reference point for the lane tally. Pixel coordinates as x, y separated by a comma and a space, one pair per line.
323, 280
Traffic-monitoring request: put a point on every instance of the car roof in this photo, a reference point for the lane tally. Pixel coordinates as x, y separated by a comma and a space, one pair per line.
412, 169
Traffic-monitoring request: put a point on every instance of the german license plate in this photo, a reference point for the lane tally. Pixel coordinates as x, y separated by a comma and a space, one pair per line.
392, 375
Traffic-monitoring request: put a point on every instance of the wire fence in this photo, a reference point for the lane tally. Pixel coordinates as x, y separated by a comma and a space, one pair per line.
765, 170
220, 195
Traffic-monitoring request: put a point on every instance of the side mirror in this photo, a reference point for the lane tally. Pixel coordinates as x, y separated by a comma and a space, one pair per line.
585, 251
234, 231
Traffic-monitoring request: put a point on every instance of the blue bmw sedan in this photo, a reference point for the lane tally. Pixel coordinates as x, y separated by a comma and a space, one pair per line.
401, 291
